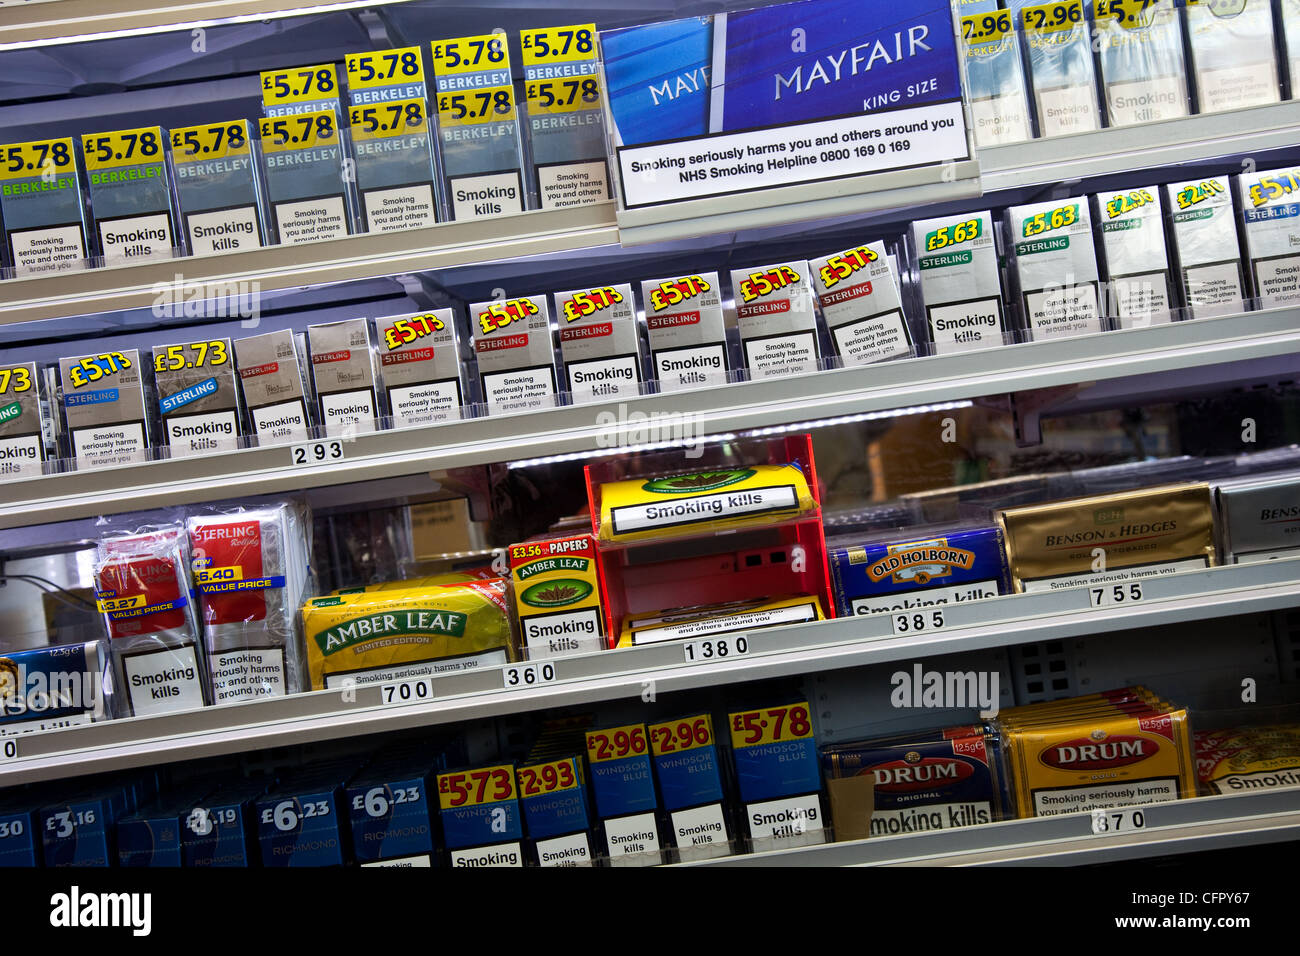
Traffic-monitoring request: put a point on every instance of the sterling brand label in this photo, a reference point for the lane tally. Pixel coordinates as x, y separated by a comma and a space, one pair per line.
1260, 518
599, 343
103, 404
420, 367
130, 194
516, 360
1115, 537
1205, 244
1233, 52
1137, 261
271, 376
22, 447
343, 370
688, 337
218, 187
1272, 215
1057, 267
776, 318
857, 290
960, 282
198, 397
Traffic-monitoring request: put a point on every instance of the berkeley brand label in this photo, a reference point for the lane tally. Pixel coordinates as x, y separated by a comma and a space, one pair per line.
402, 207
224, 230
635, 834
248, 674
502, 854
493, 194
137, 238
571, 850
1146, 101
159, 682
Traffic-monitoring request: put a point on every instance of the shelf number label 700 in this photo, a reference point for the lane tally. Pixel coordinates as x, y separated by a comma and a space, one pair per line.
1112, 594
917, 622
317, 452
409, 691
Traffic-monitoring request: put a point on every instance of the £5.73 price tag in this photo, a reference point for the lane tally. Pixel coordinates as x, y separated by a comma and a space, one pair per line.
1118, 820
317, 452
1111, 595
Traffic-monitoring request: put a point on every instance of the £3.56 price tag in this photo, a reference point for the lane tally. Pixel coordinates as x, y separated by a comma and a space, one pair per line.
1119, 820
1110, 595
317, 452
917, 622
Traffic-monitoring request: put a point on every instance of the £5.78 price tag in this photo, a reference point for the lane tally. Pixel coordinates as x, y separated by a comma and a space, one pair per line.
317, 452
1112, 595
772, 725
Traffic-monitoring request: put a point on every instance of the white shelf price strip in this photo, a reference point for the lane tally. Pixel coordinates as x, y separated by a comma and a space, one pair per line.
516, 676
410, 691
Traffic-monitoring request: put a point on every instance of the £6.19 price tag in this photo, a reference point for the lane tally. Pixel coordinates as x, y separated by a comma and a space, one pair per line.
1110, 595
1118, 820
715, 648
317, 452
917, 622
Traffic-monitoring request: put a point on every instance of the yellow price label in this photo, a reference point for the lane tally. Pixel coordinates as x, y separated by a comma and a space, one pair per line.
210, 141
412, 329
469, 107
617, 743
217, 575
1129, 14
1196, 193
559, 44
299, 85
472, 788
563, 95
487, 51
678, 736
16, 379
384, 68
1053, 17
1059, 218
771, 725
128, 147
108, 605
173, 358
539, 779
92, 368
1123, 203
38, 158
385, 120
1274, 186
303, 131
986, 27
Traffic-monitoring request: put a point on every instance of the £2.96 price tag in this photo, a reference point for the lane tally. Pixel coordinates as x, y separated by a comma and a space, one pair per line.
615, 744
1110, 595
772, 725
317, 452
675, 736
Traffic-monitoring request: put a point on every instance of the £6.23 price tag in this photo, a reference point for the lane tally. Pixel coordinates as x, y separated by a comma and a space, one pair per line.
917, 622
715, 648
1109, 595
317, 452
1118, 820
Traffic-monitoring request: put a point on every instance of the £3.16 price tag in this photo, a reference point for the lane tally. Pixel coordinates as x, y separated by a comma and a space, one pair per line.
1119, 820
917, 622
715, 648
515, 676
1109, 595
317, 452
406, 691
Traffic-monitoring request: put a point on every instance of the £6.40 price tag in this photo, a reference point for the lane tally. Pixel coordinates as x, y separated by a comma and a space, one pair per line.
1119, 820
917, 622
715, 648
406, 691
317, 452
8, 749
1109, 595
515, 676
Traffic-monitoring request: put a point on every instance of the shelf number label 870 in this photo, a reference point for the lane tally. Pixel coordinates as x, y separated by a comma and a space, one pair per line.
1112, 594
1118, 820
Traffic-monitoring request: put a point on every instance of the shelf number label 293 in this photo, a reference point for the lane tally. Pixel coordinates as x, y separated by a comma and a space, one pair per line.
917, 622
317, 452
1112, 594
715, 648
1118, 820
515, 676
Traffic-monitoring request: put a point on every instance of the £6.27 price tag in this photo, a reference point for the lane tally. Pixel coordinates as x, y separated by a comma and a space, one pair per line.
917, 622
515, 676
1118, 820
317, 452
1110, 595
406, 691
715, 648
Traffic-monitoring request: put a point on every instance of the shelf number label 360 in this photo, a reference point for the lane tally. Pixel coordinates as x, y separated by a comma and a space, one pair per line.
1112, 594
1118, 820
917, 622
715, 648
317, 452
527, 675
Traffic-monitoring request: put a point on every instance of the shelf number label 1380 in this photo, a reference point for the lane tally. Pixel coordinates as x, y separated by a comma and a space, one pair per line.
715, 648
317, 452
1112, 594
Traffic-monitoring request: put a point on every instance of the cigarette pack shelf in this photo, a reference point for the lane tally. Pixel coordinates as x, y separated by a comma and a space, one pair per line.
289, 577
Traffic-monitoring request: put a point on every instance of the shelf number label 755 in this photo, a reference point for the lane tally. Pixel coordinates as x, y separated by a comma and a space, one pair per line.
1112, 594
